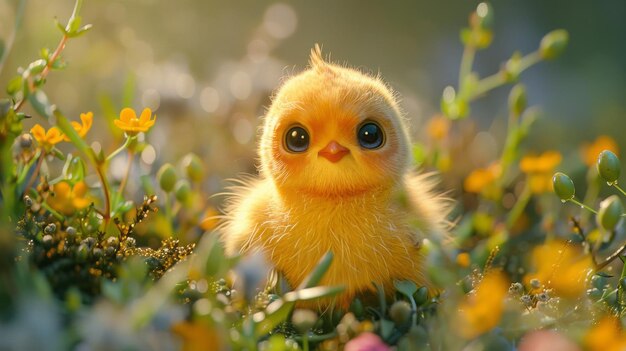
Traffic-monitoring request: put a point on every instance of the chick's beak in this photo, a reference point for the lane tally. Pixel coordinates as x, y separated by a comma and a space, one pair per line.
334, 151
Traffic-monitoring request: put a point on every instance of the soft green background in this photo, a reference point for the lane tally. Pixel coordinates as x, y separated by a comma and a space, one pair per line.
183, 54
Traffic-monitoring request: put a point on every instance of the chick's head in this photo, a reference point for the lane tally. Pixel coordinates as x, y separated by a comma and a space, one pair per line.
333, 131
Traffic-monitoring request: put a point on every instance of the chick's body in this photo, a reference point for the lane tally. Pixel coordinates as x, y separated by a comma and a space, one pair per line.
334, 157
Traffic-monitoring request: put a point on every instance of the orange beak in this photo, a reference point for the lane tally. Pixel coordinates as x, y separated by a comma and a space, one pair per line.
334, 151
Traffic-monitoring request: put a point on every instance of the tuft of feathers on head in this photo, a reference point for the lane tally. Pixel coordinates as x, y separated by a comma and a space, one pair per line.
317, 61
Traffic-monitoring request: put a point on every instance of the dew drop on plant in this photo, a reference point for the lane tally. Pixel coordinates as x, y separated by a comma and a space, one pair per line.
563, 201
581, 206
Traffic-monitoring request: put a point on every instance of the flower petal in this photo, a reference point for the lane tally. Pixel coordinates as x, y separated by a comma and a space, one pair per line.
127, 114
38, 132
145, 115
80, 189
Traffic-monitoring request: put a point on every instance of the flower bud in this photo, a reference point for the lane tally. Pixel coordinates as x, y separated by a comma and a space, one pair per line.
553, 44
303, 320
483, 16
563, 186
610, 213
50, 228
608, 166
421, 296
194, 167
400, 312
166, 177
26, 141
182, 190
517, 100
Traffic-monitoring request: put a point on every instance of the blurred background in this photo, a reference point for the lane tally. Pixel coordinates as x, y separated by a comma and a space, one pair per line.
208, 68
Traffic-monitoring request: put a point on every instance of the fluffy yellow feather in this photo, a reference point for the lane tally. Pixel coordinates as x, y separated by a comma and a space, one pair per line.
334, 155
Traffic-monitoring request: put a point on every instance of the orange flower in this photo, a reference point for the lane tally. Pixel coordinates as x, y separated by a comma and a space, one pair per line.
540, 170
606, 336
481, 178
482, 308
132, 125
463, 259
561, 266
68, 199
197, 336
48, 139
590, 151
438, 127
83, 127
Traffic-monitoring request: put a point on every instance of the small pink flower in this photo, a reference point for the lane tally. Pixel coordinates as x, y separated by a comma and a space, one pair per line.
367, 342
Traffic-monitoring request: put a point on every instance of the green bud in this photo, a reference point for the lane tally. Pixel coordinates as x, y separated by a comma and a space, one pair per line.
608, 166
513, 67
453, 107
610, 213
303, 320
166, 177
182, 190
553, 44
421, 296
563, 186
400, 312
356, 307
483, 16
194, 167
517, 100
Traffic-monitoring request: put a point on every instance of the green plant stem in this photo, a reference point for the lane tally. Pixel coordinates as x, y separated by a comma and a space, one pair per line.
107, 197
121, 148
582, 205
168, 213
19, 15
466, 63
611, 258
31, 181
519, 207
593, 189
619, 188
499, 78
305, 341
120, 191
56, 214
46, 70
620, 290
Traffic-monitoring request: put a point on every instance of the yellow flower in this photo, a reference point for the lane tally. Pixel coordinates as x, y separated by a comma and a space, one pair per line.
479, 179
463, 259
83, 127
68, 199
590, 151
438, 127
540, 170
197, 336
482, 308
48, 139
606, 336
132, 125
561, 266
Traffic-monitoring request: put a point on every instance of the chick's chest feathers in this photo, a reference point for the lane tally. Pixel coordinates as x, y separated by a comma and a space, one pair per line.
369, 236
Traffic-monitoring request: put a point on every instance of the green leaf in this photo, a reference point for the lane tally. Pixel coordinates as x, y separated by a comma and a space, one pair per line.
74, 169
405, 287
386, 328
73, 25
15, 85
39, 101
318, 273
80, 31
60, 26
215, 263
276, 313
37, 66
44, 53
313, 293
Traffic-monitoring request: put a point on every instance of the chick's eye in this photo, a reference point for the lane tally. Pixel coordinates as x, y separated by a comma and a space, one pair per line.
370, 136
297, 139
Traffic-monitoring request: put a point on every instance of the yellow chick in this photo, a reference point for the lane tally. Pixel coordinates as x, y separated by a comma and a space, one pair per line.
334, 155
